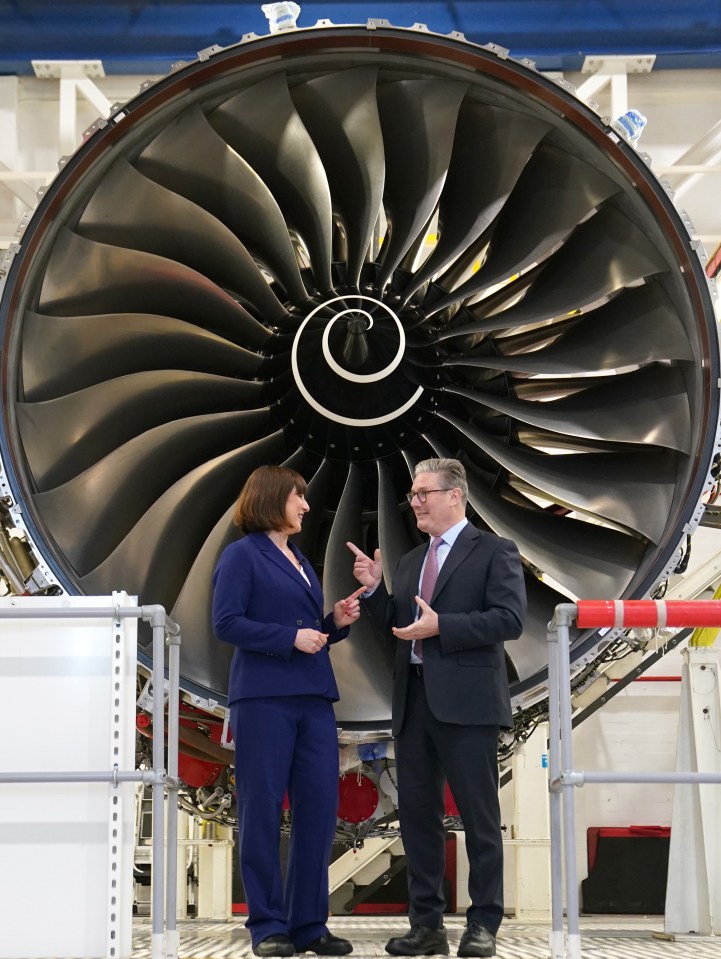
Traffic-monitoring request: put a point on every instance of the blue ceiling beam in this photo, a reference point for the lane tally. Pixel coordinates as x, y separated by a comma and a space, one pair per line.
147, 38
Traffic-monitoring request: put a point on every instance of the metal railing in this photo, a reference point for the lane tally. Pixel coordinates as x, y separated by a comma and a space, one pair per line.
164, 870
563, 777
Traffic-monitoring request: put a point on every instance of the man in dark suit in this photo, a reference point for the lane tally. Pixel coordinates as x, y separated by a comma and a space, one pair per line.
450, 699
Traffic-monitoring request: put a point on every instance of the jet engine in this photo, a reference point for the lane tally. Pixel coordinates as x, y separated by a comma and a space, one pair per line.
347, 249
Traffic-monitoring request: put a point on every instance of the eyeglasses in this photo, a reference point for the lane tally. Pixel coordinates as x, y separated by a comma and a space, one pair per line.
422, 494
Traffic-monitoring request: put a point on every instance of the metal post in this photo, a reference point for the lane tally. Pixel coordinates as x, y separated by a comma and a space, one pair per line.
171, 906
569, 815
556, 939
157, 873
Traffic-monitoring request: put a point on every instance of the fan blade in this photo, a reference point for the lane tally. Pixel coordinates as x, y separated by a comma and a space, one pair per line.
554, 194
101, 347
529, 654
649, 407
603, 256
394, 538
206, 659
490, 149
156, 563
64, 436
638, 326
112, 279
139, 470
311, 538
607, 558
131, 211
361, 663
341, 114
190, 158
418, 118
643, 482
263, 126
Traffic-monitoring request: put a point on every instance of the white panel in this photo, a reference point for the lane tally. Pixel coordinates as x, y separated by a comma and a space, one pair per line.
531, 827
215, 879
11, 209
67, 703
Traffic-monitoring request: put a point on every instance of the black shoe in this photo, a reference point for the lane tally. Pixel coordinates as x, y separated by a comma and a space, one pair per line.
420, 941
329, 945
275, 946
477, 941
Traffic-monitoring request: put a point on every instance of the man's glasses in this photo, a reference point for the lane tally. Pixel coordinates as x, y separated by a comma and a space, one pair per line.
422, 494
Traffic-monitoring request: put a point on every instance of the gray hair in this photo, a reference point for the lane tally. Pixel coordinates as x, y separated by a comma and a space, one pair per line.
452, 471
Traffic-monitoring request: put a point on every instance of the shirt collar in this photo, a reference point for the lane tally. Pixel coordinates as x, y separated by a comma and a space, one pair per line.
452, 533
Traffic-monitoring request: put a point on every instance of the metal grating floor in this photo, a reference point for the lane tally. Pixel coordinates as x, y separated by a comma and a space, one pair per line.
602, 937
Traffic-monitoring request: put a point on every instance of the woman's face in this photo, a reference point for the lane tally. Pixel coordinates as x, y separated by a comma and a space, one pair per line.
295, 508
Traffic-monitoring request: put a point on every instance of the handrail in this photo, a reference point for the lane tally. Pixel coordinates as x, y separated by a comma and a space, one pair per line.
561, 774
164, 924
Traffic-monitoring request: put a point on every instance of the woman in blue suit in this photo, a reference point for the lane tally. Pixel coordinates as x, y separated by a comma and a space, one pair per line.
268, 604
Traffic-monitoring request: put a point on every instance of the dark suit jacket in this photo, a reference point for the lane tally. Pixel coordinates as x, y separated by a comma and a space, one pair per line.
260, 601
480, 599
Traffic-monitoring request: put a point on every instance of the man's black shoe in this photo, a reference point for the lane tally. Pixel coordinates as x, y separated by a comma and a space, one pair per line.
420, 941
275, 946
477, 941
329, 945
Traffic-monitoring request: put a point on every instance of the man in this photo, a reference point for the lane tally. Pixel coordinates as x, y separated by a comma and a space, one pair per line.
450, 698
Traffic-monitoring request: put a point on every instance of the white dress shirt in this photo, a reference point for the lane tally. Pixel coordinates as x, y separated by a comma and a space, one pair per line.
449, 538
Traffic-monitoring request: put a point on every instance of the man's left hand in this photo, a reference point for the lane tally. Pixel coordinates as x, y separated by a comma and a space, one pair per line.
426, 625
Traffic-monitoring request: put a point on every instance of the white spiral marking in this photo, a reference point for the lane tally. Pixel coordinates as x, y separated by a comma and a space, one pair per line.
346, 374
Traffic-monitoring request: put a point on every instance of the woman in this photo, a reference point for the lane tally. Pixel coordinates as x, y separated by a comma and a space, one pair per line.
268, 604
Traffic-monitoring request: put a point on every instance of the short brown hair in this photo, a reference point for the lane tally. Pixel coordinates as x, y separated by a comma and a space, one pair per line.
261, 503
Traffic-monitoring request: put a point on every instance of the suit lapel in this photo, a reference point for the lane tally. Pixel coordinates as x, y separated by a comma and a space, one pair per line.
465, 541
312, 584
274, 555
414, 571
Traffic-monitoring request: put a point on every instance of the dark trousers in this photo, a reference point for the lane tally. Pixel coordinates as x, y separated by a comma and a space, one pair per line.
286, 743
428, 753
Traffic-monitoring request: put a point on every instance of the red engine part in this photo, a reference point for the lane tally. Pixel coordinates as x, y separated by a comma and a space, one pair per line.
201, 759
196, 773
450, 804
357, 798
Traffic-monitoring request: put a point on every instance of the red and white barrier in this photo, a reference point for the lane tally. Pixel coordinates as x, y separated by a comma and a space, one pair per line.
653, 613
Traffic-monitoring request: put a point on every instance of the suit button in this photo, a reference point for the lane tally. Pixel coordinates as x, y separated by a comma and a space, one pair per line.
299, 622
317, 622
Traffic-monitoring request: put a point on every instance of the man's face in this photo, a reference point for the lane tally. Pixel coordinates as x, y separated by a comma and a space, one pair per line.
441, 509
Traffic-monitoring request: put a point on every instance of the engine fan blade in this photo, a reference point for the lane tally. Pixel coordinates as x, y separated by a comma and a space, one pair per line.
263, 126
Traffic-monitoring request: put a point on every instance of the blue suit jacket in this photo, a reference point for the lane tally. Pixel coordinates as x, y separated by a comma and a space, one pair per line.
260, 601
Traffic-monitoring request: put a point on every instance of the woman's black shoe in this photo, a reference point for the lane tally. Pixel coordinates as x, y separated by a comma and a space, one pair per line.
329, 945
275, 946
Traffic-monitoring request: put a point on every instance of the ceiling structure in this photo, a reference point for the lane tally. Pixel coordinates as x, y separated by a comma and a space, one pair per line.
135, 37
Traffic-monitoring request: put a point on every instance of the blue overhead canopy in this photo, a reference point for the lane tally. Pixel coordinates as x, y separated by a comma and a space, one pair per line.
149, 37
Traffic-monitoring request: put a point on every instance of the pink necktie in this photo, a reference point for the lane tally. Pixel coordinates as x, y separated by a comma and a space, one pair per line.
428, 584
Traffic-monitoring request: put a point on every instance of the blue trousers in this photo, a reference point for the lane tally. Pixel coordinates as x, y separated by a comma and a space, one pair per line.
286, 743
